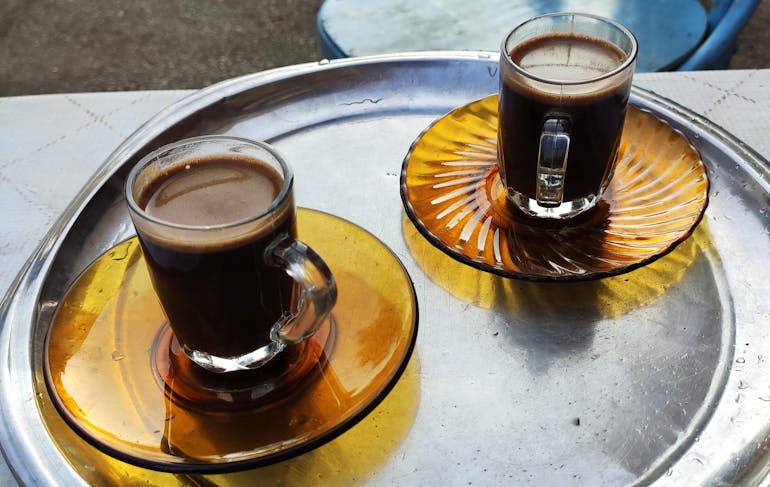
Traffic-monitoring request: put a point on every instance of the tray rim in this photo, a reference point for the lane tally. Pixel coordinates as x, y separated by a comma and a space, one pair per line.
21, 425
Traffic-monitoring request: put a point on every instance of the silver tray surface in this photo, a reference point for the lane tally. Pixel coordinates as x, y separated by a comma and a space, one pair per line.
658, 376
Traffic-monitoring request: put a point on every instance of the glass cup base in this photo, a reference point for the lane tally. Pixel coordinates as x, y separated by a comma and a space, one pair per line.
564, 211
248, 361
193, 387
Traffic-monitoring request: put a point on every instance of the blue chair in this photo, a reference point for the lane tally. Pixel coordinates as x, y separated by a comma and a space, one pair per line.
672, 34
725, 21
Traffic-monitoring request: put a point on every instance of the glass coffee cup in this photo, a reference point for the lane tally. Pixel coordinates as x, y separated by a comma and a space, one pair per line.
216, 219
565, 80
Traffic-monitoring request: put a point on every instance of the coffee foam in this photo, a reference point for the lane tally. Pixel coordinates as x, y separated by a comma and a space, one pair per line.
573, 64
217, 239
207, 238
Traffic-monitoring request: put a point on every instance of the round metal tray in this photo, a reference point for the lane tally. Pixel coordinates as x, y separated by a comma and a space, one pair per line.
655, 376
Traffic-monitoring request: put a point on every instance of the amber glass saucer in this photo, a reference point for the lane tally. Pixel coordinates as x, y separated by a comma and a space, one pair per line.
452, 192
114, 371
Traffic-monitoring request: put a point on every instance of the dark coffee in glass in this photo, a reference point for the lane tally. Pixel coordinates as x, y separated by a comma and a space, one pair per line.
565, 81
216, 220
212, 290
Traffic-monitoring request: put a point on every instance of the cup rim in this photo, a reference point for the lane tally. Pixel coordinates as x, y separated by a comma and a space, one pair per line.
288, 179
630, 59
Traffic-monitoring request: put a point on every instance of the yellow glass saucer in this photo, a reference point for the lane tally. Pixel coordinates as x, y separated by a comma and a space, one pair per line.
115, 374
452, 192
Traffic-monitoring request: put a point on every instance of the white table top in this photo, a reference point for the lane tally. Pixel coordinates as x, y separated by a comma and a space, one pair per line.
50, 145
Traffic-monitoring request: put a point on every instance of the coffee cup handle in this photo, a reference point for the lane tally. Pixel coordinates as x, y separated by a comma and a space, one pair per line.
317, 289
552, 162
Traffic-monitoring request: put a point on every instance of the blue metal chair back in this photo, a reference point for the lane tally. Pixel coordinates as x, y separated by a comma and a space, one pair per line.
718, 28
726, 19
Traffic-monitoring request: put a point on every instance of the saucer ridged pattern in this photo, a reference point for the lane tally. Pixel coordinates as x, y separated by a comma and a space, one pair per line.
452, 192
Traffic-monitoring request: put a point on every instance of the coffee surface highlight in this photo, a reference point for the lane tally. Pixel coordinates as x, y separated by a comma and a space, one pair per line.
212, 191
